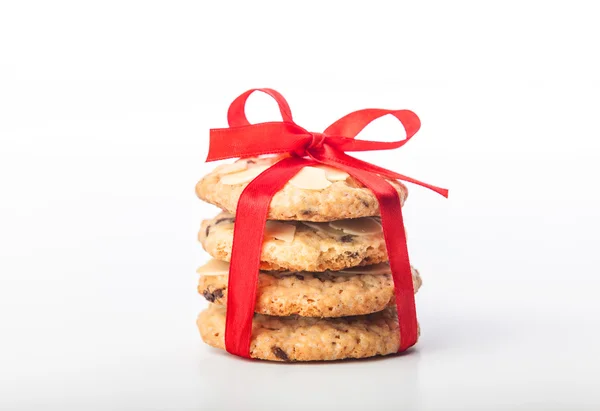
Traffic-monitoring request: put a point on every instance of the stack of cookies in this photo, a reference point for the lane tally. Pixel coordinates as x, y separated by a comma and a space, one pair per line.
325, 290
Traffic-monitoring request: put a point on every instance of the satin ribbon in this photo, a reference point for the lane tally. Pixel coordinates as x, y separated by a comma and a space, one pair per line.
243, 139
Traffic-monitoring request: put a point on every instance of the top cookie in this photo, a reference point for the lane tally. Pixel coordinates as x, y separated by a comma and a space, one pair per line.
315, 194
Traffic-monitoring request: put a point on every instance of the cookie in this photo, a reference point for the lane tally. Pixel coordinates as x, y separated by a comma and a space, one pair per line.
315, 194
310, 339
355, 291
303, 246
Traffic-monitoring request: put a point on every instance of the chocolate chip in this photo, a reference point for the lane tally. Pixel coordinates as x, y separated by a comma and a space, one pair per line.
279, 274
365, 203
207, 230
307, 212
320, 277
213, 295
351, 254
220, 220
250, 162
279, 353
299, 277
346, 239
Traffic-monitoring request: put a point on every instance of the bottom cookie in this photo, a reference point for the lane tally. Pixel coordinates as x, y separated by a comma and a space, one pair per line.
310, 339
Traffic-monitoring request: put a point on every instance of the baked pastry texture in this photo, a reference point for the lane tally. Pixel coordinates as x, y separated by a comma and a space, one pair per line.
303, 246
310, 339
356, 291
315, 194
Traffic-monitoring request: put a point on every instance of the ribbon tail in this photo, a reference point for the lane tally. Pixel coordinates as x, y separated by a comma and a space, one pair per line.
342, 159
248, 234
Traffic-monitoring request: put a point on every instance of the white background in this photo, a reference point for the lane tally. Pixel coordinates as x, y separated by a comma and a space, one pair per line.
104, 115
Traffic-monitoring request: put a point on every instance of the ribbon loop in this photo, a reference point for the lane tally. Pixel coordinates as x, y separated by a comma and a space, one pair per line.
236, 116
352, 124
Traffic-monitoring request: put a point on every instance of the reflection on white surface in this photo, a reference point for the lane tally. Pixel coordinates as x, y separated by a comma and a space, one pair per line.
253, 385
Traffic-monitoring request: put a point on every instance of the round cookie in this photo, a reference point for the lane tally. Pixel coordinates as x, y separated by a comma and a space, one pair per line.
315, 194
355, 291
310, 339
303, 246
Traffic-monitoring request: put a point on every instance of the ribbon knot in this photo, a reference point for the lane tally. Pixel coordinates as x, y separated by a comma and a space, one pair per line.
316, 142
243, 139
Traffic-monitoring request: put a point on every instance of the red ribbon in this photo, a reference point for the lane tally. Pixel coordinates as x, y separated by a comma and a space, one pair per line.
243, 139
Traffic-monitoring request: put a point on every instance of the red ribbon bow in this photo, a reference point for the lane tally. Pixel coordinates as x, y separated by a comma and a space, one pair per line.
243, 139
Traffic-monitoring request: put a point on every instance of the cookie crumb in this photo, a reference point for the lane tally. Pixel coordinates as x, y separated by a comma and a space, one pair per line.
279, 353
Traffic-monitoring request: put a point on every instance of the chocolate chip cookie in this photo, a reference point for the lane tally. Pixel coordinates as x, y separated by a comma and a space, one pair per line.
355, 291
310, 339
317, 193
303, 245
